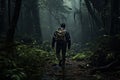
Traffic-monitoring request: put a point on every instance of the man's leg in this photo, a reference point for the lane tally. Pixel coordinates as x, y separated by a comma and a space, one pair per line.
63, 55
58, 52
58, 55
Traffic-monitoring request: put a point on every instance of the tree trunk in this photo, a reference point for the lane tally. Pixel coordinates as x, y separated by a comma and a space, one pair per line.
93, 15
13, 23
115, 22
11, 30
38, 34
30, 21
36, 25
115, 27
2, 15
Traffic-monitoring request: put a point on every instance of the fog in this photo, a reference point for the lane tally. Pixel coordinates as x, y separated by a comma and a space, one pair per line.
77, 19
39, 19
29, 51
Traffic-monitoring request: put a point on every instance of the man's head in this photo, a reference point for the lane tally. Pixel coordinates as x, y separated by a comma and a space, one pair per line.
63, 25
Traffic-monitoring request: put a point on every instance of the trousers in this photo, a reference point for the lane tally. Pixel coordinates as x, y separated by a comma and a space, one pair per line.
61, 50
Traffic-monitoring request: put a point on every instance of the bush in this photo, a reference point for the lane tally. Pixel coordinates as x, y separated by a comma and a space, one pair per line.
33, 60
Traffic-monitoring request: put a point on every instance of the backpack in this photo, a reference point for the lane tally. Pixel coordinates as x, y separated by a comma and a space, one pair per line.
60, 34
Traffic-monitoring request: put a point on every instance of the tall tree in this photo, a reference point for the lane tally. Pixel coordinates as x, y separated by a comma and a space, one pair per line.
11, 29
13, 23
115, 27
115, 21
37, 23
29, 22
93, 15
2, 15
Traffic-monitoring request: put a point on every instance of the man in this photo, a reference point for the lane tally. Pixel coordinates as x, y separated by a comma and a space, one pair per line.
62, 39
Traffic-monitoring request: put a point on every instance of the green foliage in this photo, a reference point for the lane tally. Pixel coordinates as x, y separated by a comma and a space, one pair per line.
33, 60
83, 55
79, 56
105, 50
46, 46
29, 62
10, 70
15, 74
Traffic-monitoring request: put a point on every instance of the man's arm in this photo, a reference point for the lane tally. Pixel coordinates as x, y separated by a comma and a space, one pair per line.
68, 40
53, 41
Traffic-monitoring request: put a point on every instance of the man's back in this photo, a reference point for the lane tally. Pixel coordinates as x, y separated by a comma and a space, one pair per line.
62, 39
61, 36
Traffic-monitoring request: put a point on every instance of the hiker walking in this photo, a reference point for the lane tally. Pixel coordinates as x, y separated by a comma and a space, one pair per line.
62, 39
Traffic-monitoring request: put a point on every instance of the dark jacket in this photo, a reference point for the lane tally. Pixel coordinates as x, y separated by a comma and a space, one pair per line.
67, 42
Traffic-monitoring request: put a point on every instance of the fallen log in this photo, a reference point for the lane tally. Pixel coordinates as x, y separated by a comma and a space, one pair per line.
106, 68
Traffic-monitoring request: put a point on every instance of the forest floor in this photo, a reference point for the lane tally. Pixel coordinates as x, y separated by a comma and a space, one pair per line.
74, 70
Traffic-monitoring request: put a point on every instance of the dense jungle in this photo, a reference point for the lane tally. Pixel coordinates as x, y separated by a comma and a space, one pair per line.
27, 28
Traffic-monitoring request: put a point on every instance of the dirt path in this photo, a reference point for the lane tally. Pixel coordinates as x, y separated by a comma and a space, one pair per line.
74, 70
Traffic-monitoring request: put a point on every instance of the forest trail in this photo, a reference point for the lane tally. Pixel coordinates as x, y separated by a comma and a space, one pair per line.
74, 70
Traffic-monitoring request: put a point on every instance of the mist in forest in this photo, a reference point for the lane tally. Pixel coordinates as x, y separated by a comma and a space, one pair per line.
39, 20
89, 46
